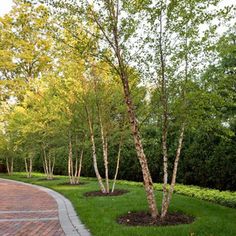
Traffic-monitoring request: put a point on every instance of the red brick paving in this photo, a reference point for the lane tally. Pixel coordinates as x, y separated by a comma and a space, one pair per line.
27, 211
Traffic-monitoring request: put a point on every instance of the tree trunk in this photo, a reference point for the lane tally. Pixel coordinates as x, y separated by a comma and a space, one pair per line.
53, 164
99, 178
80, 167
74, 170
45, 161
122, 72
117, 164
28, 166
70, 163
148, 184
105, 152
69, 166
10, 165
164, 102
166, 203
49, 163
173, 180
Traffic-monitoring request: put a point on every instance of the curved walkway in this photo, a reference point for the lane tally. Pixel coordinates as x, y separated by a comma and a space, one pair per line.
30, 210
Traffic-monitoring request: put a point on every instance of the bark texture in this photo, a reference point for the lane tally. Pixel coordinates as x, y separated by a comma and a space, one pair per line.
105, 153
113, 11
99, 178
121, 69
48, 163
117, 164
10, 165
166, 203
74, 166
29, 166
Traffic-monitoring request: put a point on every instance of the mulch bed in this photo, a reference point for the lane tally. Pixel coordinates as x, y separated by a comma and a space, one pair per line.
116, 192
145, 219
69, 184
48, 179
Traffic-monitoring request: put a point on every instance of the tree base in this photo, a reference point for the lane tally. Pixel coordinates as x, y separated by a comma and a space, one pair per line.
70, 184
145, 219
116, 192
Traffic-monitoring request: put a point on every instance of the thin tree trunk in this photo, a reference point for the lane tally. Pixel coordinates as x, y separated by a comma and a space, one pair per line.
74, 171
44, 168
68, 166
99, 178
76, 160
26, 167
69, 161
106, 165
48, 164
173, 181
105, 152
164, 120
45, 161
117, 163
8, 170
30, 167
10, 164
80, 167
165, 206
52, 166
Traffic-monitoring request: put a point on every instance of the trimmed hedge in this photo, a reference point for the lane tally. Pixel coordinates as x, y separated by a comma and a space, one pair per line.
224, 198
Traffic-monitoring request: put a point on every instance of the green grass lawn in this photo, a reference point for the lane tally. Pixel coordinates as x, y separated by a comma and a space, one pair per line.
99, 214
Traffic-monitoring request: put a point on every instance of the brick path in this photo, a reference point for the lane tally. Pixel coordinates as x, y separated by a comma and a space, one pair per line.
27, 211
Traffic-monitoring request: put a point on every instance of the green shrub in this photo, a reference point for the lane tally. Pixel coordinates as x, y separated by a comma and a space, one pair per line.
225, 198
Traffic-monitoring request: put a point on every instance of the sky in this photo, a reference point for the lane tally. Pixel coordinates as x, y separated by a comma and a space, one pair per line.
5, 5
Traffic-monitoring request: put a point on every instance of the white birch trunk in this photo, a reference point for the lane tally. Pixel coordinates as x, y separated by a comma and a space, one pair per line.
117, 164
10, 165
28, 166
173, 180
79, 167
105, 152
70, 166
49, 161
99, 178
122, 72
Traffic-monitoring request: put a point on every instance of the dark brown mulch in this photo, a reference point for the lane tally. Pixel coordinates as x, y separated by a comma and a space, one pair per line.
48, 179
145, 219
69, 184
116, 192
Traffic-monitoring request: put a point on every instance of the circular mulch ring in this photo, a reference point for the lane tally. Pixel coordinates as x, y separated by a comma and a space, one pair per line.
48, 179
69, 184
145, 219
116, 192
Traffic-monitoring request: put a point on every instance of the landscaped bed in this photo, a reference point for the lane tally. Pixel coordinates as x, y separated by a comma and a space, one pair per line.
101, 214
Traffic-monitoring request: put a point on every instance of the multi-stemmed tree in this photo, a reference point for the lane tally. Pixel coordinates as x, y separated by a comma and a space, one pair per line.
168, 44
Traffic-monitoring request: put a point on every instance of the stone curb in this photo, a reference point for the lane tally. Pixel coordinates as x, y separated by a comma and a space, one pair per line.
68, 218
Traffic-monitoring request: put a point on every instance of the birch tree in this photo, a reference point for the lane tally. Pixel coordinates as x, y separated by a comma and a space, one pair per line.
114, 32
180, 46
158, 53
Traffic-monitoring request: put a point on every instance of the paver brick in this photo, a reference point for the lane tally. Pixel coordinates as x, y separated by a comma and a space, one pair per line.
27, 211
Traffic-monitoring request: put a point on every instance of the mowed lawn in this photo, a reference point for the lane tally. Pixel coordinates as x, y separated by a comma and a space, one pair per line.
99, 214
